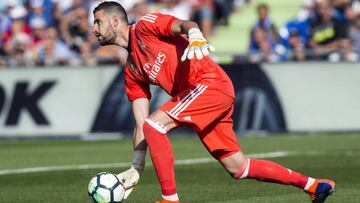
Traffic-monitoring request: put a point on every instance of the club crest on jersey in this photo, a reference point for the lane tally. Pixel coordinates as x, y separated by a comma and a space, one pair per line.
153, 69
141, 45
131, 65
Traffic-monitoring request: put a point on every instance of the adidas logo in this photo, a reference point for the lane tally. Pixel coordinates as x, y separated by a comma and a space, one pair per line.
187, 118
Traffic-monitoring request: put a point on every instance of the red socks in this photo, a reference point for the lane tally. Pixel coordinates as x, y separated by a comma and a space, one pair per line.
269, 171
163, 160
161, 155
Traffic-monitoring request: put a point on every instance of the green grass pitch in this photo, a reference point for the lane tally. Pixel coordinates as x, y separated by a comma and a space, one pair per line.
334, 156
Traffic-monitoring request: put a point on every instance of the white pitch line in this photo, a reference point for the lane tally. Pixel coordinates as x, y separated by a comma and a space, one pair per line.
127, 164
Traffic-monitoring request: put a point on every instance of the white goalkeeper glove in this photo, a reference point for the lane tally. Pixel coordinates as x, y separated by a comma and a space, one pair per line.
131, 177
198, 46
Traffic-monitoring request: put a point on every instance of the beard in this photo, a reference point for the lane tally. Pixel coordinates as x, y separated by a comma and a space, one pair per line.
109, 40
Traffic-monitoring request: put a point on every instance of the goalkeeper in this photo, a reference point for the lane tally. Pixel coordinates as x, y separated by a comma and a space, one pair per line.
202, 98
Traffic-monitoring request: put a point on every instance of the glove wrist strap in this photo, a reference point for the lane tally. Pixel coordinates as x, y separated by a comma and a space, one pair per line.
195, 33
139, 160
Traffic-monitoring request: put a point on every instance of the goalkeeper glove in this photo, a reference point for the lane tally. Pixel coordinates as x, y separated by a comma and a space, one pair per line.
131, 177
198, 46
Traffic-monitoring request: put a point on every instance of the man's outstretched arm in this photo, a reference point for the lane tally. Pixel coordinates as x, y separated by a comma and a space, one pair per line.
198, 45
131, 176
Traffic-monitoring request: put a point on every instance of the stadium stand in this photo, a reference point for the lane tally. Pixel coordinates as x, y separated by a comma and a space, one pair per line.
53, 32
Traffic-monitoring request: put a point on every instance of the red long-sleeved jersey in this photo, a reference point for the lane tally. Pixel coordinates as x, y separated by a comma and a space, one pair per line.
154, 58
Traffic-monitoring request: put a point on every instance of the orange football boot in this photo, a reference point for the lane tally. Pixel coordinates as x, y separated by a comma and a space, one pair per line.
320, 190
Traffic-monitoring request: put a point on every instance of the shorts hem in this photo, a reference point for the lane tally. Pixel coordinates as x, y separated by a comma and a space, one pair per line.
226, 155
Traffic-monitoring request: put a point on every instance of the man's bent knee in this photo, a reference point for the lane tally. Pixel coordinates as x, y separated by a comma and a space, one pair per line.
236, 164
162, 119
243, 171
154, 125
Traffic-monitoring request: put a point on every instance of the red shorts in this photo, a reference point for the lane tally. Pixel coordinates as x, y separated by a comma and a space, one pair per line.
208, 111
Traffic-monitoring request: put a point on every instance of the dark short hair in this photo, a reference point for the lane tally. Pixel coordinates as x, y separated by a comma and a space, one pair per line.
112, 7
262, 6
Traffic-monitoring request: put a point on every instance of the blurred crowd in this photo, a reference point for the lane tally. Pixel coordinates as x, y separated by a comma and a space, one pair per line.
58, 32
323, 30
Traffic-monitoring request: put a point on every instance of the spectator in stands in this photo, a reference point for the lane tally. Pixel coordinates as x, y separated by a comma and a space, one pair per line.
329, 38
5, 20
343, 11
5, 25
55, 52
295, 34
17, 38
262, 47
41, 9
294, 40
263, 37
223, 9
203, 14
57, 14
75, 31
38, 34
265, 22
297, 46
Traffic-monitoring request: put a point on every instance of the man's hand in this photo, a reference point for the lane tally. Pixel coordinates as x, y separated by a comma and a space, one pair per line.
198, 46
129, 178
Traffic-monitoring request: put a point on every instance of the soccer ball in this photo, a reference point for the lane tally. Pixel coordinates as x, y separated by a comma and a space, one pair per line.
106, 188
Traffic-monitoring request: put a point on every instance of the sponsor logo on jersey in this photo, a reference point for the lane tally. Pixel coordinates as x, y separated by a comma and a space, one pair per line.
154, 69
